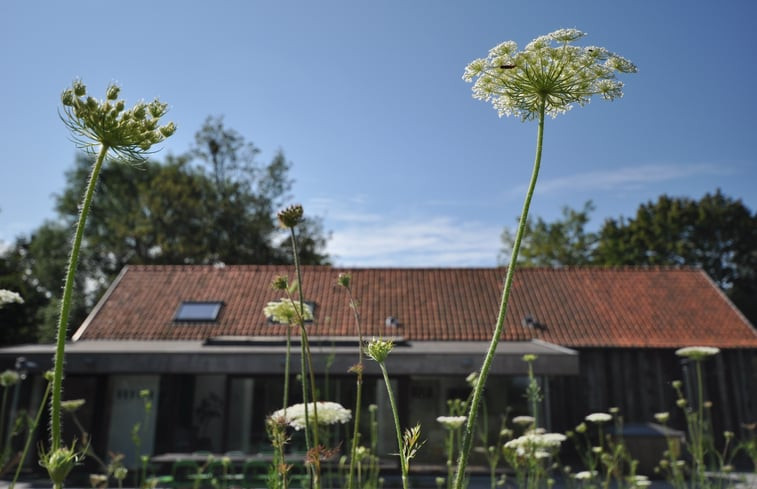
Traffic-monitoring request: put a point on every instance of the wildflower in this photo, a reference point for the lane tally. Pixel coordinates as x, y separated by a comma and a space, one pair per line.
677, 384
523, 420
529, 357
8, 297
535, 444
598, 418
328, 413
291, 216
59, 463
72, 405
681, 403
452, 422
9, 378
281, 282
549, 71
379, 349
344, 280
286, 311
662, 417
472, 379
128, 133
697, 352
585, 475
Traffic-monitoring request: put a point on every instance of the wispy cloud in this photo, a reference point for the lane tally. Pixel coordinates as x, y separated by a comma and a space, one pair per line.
432, 242
368, 239
626, 178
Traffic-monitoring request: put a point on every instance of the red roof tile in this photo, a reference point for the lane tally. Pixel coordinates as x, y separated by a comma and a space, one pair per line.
573, 307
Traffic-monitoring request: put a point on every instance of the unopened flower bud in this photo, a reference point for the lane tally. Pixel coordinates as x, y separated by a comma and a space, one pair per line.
344, 280
59, 463
379, 349
79, 88
168, 129
280, 283
112, 92
291, 216
681, 403
67, 97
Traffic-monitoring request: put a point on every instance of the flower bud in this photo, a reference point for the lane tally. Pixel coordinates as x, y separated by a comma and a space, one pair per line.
157, 109
344, 280
379, 349
79, 88
112, 92
9, 378
529, 357
59, 463
168, 129
67, 97
291, 216
139, 111
72, 405
280, 283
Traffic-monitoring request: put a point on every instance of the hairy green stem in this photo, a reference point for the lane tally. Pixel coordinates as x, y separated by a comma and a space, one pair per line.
489, 358
65, 306
306, 364
30, 435
358, 393
403, 462
286, 366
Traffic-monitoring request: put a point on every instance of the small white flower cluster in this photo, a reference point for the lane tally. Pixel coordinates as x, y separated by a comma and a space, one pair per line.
598, 418
452, 422
8, 297
286, 311
536, 445
328, 413
523, 420
640, 481
697, 352
585, 475
549, 71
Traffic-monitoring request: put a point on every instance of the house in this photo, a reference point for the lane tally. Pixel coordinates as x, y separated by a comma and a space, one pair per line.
196, 338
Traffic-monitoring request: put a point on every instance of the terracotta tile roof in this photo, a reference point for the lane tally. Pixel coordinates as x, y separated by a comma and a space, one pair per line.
573, 307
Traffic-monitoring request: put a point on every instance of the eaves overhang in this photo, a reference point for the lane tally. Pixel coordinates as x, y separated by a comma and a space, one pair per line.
265, 355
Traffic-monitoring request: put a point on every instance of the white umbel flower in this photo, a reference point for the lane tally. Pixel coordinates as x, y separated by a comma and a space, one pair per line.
550, 70
697, 352
452, 422
598, 418
8, 297
328, 413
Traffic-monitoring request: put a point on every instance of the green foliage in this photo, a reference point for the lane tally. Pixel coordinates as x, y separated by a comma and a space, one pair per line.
716, 233
213, 204
563, 242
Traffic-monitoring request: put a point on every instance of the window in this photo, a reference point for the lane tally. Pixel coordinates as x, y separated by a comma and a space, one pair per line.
198, 311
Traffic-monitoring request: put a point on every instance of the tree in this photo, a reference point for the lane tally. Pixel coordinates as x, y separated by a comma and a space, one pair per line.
716, 233
560, 243
215, 204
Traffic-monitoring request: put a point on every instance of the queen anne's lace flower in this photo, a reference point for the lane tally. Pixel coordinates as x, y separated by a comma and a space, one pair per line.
697, 352
523, 420
8, 296
550, 71
286, 311
598, 418
452, 422
328, 413
539, 445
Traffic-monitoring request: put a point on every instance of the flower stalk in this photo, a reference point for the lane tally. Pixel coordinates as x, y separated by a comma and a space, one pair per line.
549, 76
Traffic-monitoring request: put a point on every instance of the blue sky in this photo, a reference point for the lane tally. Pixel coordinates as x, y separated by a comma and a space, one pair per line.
366, 100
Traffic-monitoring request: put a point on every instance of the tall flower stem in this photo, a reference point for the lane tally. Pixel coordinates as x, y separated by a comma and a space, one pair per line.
359, 385
403, 461
306, 364
30, 435
65, 306
488, 359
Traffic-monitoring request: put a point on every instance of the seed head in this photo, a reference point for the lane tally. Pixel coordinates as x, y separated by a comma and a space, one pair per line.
130, 134
379, 349
291, 216
344, 280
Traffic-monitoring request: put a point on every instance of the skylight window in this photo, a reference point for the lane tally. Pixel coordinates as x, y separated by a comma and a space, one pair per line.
191, 311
